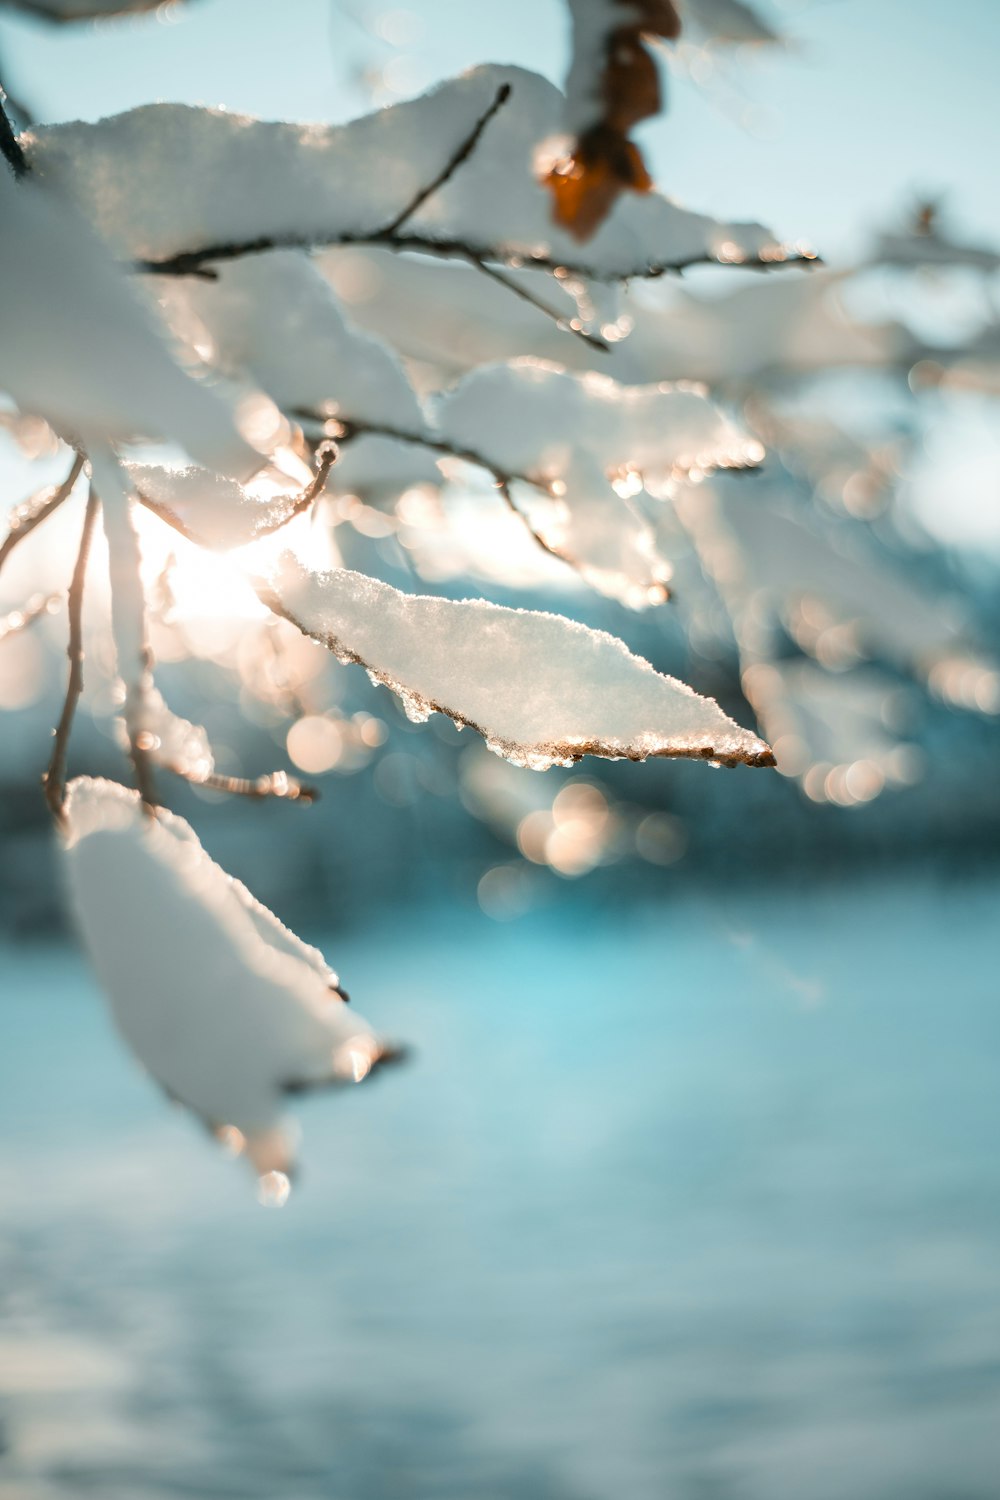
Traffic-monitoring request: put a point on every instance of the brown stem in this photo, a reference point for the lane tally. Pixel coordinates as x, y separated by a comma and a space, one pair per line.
25, 518
197, 262
327, 454
54, 780
563, 324
276, 784
460, 155
502, 477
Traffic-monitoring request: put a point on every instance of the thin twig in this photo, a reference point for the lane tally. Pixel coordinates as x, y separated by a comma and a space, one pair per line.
19, 619
458, 157
276, 784
54, 780
326, 454
10, 147
563, 324
23, 520
503, 478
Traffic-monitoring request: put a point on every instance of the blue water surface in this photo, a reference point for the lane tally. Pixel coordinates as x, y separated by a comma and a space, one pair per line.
697, 1201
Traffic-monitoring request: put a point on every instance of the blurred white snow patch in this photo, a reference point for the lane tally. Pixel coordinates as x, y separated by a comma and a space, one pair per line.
80, 347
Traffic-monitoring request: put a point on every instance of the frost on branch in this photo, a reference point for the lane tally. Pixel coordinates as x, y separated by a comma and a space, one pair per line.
79, 347
540, 689
613, 84
227, 1009
263, 185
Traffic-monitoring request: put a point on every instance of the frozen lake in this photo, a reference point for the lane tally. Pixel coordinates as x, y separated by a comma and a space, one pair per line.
699, 1203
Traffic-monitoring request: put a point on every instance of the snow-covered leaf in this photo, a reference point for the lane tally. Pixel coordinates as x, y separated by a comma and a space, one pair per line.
224, 1006
597, 532
279, 184
592, 443
540, 689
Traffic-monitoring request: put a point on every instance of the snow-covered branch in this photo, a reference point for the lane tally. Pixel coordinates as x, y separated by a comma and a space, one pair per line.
263, 186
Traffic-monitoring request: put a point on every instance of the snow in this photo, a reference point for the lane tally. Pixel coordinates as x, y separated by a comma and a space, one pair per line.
128, 603
540, 689
931, 249
171, 741
838, 733
320, 184
448, 316
223, 1005
528, 417
611, 546
855, 605
79, 347
770, 330
220, 513
275, 321
726, 22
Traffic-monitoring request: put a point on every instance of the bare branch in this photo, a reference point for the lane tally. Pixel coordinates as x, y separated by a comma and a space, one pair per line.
54, 780
503, 478
19, 619
326, 454
23, 520
461, 155
276, 784
195, 262
563, 324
